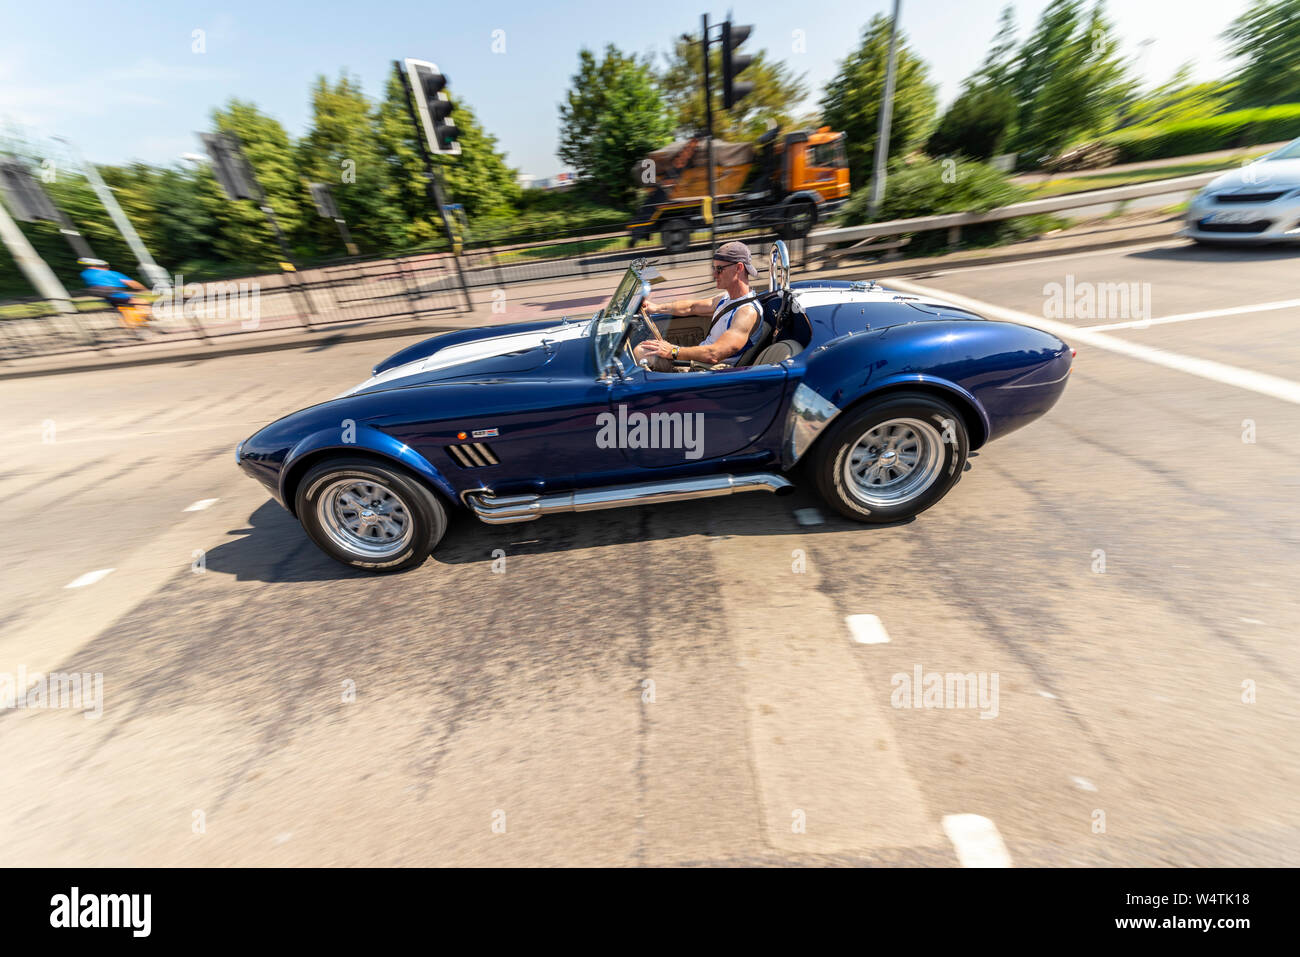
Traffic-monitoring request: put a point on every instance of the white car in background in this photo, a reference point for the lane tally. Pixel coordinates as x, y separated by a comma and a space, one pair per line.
1258, 203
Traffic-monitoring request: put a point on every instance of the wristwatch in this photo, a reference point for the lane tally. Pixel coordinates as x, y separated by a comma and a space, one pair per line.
675, 352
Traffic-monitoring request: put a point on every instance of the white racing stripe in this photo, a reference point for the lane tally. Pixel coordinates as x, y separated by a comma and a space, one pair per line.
1187, 316
976, 840
476, 349
1273, 386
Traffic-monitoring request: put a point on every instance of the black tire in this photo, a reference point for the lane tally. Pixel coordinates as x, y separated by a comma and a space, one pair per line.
938, 433
675, 235
327, 524
800, 218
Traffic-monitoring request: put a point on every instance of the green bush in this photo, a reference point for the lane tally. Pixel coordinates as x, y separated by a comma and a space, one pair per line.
1234, 130
933, 187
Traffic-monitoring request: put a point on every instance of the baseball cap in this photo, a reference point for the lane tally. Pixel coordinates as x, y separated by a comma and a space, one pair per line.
735, 252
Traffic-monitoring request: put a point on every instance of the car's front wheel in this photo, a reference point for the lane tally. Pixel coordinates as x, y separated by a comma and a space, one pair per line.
891, 459
369, 516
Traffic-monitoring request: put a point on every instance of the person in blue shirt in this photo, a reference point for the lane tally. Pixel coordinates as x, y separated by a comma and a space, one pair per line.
110, 285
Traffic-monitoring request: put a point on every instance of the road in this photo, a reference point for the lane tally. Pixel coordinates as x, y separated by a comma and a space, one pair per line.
692, 683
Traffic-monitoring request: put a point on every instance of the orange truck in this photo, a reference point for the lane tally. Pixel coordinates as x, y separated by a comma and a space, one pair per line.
784, 182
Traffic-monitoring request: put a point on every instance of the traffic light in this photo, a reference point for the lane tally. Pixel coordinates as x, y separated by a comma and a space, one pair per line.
27, 201
733, 63
230, 167
429, 88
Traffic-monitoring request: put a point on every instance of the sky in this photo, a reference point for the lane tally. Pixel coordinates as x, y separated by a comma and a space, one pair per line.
134, 80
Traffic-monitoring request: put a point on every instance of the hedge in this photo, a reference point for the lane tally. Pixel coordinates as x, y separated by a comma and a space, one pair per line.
1226, 131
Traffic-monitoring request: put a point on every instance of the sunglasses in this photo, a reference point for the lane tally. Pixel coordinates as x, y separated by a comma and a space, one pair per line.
717, 269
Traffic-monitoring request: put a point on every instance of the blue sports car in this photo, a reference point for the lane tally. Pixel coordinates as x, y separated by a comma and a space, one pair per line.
873, 397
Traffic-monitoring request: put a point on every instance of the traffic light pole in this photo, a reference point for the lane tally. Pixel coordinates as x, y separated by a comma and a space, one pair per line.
435, 185
708, 130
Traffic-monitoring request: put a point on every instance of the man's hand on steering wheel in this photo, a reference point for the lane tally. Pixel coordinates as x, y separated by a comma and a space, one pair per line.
652, 347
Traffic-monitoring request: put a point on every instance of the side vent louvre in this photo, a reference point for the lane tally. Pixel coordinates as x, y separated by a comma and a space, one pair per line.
473, 455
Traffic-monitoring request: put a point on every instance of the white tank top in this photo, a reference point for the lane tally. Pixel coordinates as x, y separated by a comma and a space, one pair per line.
721, 325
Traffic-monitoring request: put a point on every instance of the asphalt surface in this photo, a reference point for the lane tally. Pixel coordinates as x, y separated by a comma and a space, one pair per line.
681, 684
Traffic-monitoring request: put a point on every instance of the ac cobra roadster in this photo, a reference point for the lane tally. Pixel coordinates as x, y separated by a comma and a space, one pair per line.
872, 397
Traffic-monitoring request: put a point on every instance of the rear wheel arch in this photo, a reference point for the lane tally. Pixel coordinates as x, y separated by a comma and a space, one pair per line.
974, 422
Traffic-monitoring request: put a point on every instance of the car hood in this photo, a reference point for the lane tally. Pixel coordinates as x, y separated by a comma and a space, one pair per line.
1264, 175
491, 352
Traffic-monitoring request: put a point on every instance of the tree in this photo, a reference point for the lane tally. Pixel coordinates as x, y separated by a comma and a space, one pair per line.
1069, 80
1179, 99
976, 124
980, 119
612, 116
851, 103
342, 150
243, 234
1267, 37
777, 93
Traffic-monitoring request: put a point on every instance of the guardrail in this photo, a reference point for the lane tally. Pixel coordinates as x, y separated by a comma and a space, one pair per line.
418, 284
1033, 207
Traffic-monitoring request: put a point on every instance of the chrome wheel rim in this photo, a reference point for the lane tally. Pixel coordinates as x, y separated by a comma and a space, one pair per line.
365, 517
894, 462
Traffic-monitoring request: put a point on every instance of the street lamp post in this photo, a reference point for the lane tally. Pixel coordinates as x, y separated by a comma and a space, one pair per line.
886, 118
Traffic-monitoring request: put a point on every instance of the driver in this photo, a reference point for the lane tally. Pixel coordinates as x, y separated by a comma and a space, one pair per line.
731, 330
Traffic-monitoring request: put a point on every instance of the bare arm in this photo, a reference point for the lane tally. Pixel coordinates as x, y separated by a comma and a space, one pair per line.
684, 307
729, 343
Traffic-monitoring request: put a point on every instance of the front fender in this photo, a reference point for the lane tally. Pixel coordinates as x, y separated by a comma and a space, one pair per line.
368, 439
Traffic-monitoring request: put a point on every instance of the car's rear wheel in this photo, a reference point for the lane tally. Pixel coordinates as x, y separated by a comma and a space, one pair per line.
369, 516
891, 459
801, 217
676, 235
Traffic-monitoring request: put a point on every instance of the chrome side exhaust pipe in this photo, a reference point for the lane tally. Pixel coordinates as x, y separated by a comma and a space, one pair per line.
507, 509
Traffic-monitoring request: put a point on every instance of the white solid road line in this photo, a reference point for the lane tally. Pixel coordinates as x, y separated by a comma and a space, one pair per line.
202, 503
89, 578
867, 629
1186, 316
976, 840
1272, 386
1112, 251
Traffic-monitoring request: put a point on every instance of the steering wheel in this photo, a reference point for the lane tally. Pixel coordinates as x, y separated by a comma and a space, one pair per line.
653, 333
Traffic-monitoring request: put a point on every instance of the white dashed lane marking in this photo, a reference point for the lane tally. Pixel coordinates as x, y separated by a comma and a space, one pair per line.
89, 578
203, 503
808, 516
867, 629
976, 840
